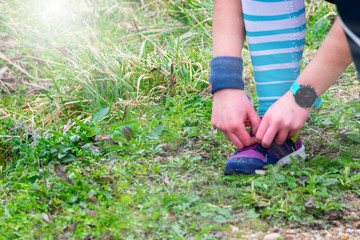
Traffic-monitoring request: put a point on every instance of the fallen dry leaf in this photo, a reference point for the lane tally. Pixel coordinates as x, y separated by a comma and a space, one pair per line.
45, 217
166, 180
172, 213
93, 199
102, 138
60, 171
94, 148
91, 213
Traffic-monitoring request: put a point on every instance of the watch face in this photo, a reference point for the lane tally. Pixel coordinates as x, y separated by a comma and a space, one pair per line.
305, 96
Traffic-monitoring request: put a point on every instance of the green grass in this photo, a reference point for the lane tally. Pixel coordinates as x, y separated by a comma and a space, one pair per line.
122, 64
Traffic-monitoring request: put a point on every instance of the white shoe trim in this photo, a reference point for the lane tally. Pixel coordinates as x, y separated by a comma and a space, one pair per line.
287, 159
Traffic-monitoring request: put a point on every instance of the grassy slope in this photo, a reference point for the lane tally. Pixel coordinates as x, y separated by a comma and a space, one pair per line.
149, 65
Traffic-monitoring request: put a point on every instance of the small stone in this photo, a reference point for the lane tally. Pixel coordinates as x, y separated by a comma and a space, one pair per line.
344, 236
318, 237
327, 235
234, 229
291, 232
253, 237
260, 172
272, 236
350, 231
306, 235
276, 230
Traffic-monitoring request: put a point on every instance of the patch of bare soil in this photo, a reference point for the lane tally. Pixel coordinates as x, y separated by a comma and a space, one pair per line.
345, 89
336, 225
341, 225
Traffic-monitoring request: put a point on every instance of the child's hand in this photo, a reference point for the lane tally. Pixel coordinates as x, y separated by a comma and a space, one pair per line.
282, 121
231, 109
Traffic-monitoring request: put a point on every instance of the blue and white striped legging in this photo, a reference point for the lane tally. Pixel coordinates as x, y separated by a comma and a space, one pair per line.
275, 32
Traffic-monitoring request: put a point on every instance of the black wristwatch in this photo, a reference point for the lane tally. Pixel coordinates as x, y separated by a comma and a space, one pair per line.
305, 95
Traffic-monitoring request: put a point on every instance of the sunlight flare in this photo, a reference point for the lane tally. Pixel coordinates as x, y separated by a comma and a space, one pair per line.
55, 12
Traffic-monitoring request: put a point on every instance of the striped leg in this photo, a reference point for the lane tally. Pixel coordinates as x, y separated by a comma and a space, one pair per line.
276, 35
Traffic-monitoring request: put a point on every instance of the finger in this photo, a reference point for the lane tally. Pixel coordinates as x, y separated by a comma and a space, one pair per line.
269, 136
263, 126
244, 136
253, 141
255, 121
292, 133
281, 136
235, 140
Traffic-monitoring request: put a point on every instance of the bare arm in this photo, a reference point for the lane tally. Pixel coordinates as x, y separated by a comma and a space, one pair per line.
231, 107
332, 58
228, 28
285, 118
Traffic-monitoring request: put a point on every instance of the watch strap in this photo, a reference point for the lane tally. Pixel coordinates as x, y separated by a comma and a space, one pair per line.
295, 87
317, 103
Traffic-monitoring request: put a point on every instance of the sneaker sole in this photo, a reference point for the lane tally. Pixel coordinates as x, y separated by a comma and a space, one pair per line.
286, 160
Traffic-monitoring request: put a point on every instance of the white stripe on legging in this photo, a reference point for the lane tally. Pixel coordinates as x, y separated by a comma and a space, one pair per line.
274, 82
268, 98
254, 26
276, 51
270, 8
273, 38
277, 66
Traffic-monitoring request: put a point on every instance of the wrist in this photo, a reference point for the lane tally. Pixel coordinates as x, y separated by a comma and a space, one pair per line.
227, 92
288, 97
226, 72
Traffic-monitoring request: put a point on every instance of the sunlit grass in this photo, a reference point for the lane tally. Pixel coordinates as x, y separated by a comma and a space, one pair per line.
92, 60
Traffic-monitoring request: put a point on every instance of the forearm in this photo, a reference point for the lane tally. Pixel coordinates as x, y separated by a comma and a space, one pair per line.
330, 61
228, 28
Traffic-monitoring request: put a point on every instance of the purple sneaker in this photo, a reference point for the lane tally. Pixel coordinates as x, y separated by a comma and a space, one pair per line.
249, 160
